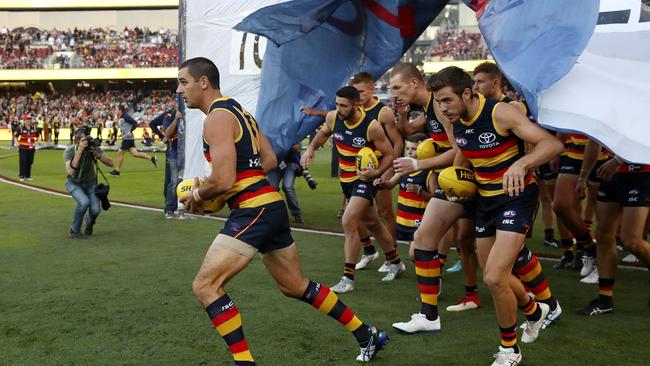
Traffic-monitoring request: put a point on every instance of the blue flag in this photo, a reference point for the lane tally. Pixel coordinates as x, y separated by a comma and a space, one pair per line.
535, 42
317, 45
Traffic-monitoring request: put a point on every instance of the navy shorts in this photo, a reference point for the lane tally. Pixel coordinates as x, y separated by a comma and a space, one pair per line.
359, 188
626, 189
127, 144
505, 213
572, 166
468, 207
545, 172
266, 228
404, 232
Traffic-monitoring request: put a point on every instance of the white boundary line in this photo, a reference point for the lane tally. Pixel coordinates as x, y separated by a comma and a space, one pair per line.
300, 230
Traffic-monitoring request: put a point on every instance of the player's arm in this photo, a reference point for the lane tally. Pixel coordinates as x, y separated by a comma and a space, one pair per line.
389, 183
589, 160
410, 165
546, 147
269, 159
219, 130
387, 119
462, 161
378, 137
409, 127
310, 111
321, 137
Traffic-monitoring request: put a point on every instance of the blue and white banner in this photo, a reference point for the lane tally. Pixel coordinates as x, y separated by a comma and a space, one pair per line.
316, 45
582, 65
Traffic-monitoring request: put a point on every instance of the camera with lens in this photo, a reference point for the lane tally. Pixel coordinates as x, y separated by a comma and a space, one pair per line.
310, 180
92, 142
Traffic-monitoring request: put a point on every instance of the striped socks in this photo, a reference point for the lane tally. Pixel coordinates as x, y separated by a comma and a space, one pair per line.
427, 269
325, 300
509, 337
528, 269
531, 310
368, 248
226, 318
349, 269
606, 290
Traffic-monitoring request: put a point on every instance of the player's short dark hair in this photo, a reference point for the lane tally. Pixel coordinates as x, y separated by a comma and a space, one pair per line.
416, 137
201, 66
348, 92
406, 71
489, 68
451, 76
362, 77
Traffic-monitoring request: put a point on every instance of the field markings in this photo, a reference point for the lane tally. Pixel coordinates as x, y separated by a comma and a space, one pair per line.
55, 192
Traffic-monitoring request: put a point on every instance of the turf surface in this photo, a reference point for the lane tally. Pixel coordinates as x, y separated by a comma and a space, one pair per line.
124, 297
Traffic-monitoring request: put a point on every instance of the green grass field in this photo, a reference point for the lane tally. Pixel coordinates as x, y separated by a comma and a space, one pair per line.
124, 297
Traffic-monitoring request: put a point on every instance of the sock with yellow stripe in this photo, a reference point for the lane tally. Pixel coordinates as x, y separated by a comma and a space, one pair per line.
326, 301
427, 270
392, 257
349, 269
531, 310
226, 318
368, 248
509, 337
528, 269
443, 259
606, 289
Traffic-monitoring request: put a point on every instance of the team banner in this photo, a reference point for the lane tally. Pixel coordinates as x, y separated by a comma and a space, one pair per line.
582, 65
316, 45
208, 33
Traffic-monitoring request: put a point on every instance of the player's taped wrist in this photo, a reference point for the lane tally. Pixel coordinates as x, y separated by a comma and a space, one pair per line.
195, 194
415, 164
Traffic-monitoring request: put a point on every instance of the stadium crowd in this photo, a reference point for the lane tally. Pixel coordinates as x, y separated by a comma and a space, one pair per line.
459, 47
33, 48
79, 107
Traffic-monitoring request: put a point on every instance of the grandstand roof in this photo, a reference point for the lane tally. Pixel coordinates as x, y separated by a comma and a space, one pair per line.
90, 74
31, 5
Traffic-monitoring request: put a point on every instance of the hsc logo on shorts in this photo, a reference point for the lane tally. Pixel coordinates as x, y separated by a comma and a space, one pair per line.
510, 213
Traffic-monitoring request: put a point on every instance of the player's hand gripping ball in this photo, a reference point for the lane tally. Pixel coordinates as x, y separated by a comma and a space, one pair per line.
457, 182
205, 206
366, 159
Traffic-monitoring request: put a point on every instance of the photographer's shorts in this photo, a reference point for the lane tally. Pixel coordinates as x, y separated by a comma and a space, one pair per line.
127, 144
264, 229
359, 188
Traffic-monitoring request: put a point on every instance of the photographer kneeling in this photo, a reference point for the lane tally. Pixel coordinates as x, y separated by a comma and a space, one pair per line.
80, 159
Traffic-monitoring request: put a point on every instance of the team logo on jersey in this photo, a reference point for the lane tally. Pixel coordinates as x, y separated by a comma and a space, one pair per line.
510, 213
461, 141
486, 137
338, 137
434, 124
358, 142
